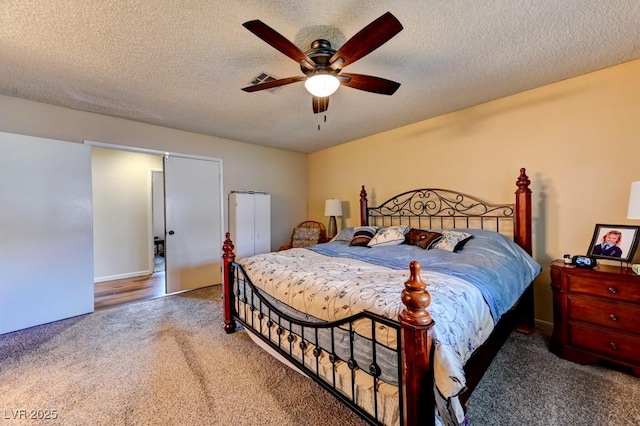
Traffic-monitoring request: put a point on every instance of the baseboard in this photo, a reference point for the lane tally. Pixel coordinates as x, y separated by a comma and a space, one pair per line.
544, 325
122, 276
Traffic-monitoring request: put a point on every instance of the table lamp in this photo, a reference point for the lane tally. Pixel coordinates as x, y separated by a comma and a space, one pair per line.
332, 208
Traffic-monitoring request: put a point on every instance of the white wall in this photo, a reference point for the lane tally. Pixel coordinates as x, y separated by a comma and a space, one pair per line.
283, 174
157, 198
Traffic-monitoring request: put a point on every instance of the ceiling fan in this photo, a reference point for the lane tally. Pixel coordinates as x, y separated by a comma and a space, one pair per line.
322, 65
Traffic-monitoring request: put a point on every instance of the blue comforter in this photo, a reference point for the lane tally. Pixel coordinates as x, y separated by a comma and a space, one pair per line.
497, 266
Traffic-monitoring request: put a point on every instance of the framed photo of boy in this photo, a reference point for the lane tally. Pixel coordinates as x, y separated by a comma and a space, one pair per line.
614, 242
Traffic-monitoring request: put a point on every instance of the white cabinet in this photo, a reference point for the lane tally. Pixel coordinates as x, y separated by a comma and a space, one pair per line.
250, 222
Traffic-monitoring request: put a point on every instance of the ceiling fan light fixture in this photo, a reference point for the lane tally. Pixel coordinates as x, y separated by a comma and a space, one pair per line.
322, 85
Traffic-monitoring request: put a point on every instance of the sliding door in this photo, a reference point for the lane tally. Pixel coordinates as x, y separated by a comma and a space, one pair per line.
193, 215
46, 247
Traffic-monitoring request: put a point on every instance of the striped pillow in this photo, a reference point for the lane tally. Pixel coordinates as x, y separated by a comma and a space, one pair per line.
362, 235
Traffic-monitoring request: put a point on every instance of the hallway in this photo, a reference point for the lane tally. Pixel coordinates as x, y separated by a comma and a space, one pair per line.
127, 290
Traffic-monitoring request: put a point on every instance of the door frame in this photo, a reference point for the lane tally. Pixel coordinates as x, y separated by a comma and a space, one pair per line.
171, 154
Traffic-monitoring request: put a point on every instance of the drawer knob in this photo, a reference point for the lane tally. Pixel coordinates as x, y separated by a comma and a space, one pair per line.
613, 346
612, 290
613, 317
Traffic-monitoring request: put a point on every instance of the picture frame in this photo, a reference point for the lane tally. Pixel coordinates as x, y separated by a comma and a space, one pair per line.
624, 245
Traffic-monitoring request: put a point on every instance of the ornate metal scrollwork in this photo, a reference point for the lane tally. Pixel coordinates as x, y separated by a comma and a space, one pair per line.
374, 369
438, 203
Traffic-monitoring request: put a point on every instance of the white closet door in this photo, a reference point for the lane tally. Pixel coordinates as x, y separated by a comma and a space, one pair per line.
46, 248
193, 240
262, 223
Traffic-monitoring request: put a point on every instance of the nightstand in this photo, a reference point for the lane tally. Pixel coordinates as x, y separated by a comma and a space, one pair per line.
596, 314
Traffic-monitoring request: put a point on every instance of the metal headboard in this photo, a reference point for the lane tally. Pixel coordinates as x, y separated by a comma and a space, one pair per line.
431, 208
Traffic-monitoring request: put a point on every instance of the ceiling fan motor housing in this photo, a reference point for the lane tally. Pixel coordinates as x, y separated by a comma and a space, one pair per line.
320, 53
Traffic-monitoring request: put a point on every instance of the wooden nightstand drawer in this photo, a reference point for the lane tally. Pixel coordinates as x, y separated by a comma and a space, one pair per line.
616, 315
611, 344
599, 286
596, 314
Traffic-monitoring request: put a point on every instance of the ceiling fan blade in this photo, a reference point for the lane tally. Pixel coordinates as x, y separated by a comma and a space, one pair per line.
320, 104
278, 42
273, 83
370, 83
366, 40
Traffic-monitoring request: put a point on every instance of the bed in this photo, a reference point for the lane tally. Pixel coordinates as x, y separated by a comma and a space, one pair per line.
400, 316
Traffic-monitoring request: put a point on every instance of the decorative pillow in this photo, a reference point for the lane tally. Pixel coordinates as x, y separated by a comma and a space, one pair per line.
362, 235
345, 235
452, 240
305, 237
388, 236
421, 238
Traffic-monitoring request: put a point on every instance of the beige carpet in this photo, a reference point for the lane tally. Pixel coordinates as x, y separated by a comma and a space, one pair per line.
162, 362
168, 361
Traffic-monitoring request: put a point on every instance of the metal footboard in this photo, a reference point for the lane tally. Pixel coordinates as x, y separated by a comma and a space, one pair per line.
353, 366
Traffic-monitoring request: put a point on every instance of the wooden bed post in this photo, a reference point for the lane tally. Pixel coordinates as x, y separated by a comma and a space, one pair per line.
416, 346
227, 284
524, 238
364, 217
522, 232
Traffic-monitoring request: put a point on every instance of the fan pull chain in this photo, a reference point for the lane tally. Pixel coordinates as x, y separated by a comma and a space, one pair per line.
318, 115
318, 120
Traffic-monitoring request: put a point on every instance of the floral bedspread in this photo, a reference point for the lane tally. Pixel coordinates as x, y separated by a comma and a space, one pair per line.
332, 288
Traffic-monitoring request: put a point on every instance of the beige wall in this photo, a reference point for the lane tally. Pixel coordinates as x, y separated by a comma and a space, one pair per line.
281, 173
121, 185
579, 140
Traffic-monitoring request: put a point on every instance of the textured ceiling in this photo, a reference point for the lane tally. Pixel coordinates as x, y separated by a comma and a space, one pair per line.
182, 64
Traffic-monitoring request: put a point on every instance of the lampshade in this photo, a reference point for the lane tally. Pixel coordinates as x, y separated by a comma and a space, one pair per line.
634, 201
322, 85
333, 207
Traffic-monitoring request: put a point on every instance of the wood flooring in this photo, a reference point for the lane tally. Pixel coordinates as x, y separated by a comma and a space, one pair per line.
127, 290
